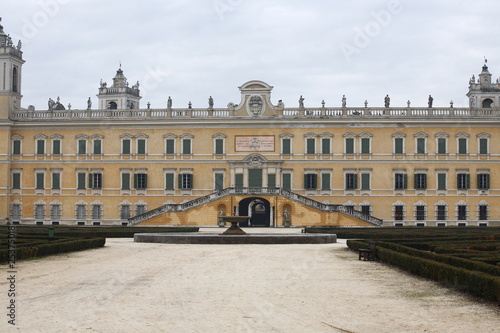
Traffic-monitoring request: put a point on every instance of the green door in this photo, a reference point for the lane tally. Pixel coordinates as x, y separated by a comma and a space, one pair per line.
254, 177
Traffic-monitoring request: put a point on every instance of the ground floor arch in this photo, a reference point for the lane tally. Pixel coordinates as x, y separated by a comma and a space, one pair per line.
259, 210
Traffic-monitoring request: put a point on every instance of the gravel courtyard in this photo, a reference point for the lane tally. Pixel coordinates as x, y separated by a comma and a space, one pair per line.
140, 287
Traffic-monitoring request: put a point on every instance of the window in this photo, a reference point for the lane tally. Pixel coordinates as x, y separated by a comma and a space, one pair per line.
56, 181
55, 212
126, 147
95, 180
366, 209
441, 179
82, 147
141, 146
463, 181
351, 181
398, 213
39, 211
81, 181
124, 212
81, 212
326, 146
16, 180
238, 179
462, 146
271, 180
483, 212
125, 181
219, 181
365, 181
420, 212
97, 149
140, 209
286, 146
400, 181
287, 181
461, 212
349, 145
311, 146
186, 146
483, 146
310, 181
420, 181
219, 146
420, 145
56, 147
16, 212
169, 181
398, 146
441, 146
326, 181
16, 147
186, 181
170, 145
483, 181
40, 147
140, 181
40, 181
441, 212
365, 145
96, 212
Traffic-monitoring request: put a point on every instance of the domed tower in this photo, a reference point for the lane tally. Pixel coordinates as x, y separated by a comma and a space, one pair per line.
119, 95
483, 93
11, 62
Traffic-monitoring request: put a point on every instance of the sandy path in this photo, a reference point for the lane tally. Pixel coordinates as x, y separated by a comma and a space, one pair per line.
138, 287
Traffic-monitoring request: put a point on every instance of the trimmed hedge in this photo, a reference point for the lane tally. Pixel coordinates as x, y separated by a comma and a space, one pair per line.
54, 247
475, 282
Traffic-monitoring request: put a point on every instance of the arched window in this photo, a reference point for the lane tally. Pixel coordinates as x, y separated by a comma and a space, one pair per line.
487, 103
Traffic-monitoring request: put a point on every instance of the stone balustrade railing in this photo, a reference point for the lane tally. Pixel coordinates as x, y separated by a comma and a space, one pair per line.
26, 115
263, 191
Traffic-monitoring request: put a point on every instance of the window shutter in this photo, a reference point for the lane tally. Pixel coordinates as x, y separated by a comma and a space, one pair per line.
186, 146
287, 181
441, 181
82, 147
441, 146
487, 182
462, 146
169, 181
56, 147
310, 146
145, 181
365, 145
91, 180
286, 146
141, 146
126, 147
365, 181
16, 180
238, 178
271, 180
40, 147
125, 181
467, 176
219, 149
39, 181
81, 181
56, 180
483, 146
170, 146
325, 146
349, 146
97, 147
179, 179
424, 181
405, 181
398, 145
219, 181
17, 147
325, 181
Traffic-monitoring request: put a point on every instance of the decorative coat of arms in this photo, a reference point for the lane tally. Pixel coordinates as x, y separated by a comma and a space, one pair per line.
256, 106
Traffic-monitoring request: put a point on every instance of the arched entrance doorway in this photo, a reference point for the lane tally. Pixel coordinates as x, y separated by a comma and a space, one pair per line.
259, 211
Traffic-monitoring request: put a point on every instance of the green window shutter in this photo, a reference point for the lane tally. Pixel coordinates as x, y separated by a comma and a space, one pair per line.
186, 146
420, 146
325, 146
16, 180
136, 181
287, 145
325, 181
219, 181
487, 182
40, 181
355, 181
462, 146
126, 147
56, 181
467, 176
441, 146
311, 143
219, 146
40, 147
365, 181
81, 181
405, 181
91, 180
483, 146
398, 146
179, 181
141, 146
238, 178
16, 149
82, 147
424, 181
287, 181
271, 180
441, 181
125, 181
365, 146
170, 147
56, 147
97, 147
349, 145
169, 181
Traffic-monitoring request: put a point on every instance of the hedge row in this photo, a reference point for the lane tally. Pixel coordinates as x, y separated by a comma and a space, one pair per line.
39, 250
475, 282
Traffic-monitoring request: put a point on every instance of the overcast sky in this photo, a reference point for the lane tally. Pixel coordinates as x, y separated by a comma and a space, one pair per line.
191, 49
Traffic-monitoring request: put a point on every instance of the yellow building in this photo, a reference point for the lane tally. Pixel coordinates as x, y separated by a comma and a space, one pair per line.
118, 163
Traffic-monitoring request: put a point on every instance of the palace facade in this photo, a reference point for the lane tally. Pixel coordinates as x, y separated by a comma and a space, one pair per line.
118, 163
